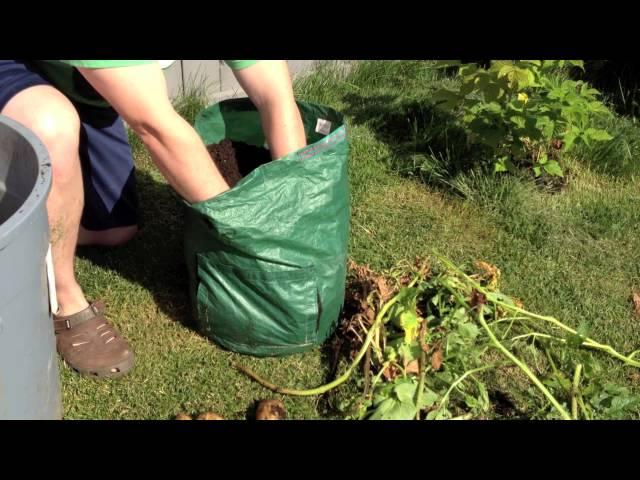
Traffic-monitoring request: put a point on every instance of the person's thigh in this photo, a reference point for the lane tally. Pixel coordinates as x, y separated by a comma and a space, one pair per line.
29, 99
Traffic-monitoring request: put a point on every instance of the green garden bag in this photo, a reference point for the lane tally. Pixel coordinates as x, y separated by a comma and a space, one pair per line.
267, 259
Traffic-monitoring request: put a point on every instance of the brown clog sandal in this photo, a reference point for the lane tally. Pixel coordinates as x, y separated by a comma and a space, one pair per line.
90, 345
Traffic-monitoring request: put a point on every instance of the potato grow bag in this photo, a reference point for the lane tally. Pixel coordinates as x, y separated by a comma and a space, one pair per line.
267, 259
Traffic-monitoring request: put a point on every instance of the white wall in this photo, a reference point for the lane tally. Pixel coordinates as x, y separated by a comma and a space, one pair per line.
218, 76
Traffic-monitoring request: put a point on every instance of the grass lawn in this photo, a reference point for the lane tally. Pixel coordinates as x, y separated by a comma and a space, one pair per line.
572, 254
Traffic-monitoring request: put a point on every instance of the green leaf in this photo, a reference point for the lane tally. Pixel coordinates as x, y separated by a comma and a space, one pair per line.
598, 107
590, 92
392, 409
492, 92
404, 411
407, 298
409, 351
558, 381
583, 329
516, 105
429, 398
499, 167
519, 78
553, 168
503, 164
518, 121
467, 87
410, 322
382, 393
493, 107
468, 117
468, 331
446, 99
390, 353
546, 125
598, 135
505, 69
406, 391
543, 158
468, 69
537, 171
383, 408
577, 63
439, 414
623, 403
484, 396
488, 134
574, 340
569, 138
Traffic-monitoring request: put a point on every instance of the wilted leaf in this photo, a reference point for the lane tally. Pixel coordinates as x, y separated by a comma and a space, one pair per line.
490, 273
390, 373
412, 367
436, 359
636, 302
383, 287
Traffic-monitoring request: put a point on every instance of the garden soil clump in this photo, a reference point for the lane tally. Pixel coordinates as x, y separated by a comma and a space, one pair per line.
236, 160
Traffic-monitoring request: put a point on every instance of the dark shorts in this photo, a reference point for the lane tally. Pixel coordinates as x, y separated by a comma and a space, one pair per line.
110, 196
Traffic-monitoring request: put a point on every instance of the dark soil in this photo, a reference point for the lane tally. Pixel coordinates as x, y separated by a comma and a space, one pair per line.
236, 160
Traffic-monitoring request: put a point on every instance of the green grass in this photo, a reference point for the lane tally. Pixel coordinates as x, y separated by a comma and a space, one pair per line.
415, 186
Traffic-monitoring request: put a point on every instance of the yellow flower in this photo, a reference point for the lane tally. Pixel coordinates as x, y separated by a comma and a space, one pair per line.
523, 97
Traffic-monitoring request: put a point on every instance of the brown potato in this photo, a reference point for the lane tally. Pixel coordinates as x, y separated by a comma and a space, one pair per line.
183, 416
271, 410
209, 416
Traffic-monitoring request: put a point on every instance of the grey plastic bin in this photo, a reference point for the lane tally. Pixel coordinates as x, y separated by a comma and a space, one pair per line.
29, 381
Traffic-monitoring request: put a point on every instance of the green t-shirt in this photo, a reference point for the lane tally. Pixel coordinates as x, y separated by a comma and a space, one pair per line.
234, 64
64, 75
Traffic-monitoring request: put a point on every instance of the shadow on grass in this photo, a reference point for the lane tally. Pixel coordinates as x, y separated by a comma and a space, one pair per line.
425, 141
154, 259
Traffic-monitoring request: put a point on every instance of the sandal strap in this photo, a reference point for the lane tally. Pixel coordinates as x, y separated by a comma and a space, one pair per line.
67, 323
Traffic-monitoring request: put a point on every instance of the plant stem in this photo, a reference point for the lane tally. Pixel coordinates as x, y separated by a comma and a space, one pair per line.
494, 298
507, 319
459, 380
536, 335
585, 412
575, 392
588, 342
423, 374
467, 416
504, 335
376, 379
367, 371
522, 366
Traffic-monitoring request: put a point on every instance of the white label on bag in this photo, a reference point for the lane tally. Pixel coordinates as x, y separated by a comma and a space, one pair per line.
51, 281
323, 126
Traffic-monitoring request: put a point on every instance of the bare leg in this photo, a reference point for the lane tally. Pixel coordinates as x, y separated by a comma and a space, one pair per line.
108, 238
55, 122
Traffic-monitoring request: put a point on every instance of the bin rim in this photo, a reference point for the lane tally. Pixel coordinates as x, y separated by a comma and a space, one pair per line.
40, 191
